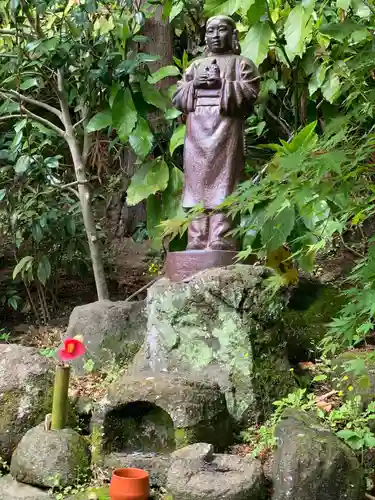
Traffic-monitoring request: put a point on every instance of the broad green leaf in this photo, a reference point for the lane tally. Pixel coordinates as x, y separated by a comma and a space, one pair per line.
22, 164
340, 31
44, 270
101, 120
104, 25
141, 138
347, 434
331, 87
24, 264
369, 440
3, 193
256, 42
276, 230
163, 72
297, 31
317, 79
9, 107
124, 114
150, 178
154, 217
176, 10
305, 138
216, 7
37, 232
147, 58
152, 95
177, 138
29, 83
172, 114
343, 4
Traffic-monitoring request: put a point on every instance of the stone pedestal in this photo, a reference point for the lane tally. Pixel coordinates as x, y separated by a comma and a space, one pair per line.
223, 325
182, 265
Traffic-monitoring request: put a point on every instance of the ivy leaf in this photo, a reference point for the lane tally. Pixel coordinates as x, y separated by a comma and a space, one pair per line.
22, 164
297, 31
141, 139
150, 178
124, 114
44, 270
177, 138
3, 193
152, 95
172, 114
101, 120
331, 87
163, 72
255, 44
276, 230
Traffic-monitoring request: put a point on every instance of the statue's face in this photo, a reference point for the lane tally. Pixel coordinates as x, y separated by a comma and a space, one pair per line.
219, 36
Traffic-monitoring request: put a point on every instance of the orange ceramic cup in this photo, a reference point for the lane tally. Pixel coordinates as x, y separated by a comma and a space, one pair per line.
129, 484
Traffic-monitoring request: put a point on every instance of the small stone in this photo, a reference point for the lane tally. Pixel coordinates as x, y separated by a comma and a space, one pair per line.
45, 456
197, 451
10, 489
312, 463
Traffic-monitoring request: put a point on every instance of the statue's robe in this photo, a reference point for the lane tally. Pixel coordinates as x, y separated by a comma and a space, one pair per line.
214, 141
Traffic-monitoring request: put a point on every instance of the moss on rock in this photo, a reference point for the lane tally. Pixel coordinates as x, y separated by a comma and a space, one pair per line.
26, 387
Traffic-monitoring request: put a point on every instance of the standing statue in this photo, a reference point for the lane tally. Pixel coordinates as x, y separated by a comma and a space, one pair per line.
217, 93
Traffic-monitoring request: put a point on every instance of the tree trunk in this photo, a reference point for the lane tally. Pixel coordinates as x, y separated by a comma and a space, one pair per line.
84, 194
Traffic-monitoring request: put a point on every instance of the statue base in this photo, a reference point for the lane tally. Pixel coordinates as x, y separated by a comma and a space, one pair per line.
181, 266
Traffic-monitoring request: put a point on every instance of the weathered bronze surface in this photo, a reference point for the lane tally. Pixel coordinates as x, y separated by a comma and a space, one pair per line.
217, 94
180, 266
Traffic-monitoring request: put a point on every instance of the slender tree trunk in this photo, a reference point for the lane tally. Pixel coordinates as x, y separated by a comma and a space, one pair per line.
84, 193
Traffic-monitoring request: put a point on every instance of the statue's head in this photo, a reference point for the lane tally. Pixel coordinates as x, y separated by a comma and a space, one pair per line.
221, 35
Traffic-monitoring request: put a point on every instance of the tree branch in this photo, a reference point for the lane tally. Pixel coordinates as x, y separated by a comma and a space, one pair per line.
16, 95
10, 117
45, 122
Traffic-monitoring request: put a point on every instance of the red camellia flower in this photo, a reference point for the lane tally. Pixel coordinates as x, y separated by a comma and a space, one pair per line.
73, 348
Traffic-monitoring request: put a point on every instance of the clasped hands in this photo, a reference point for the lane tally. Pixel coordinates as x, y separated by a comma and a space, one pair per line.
207, 81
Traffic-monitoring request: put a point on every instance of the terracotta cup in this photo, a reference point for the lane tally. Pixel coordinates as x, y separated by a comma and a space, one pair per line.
129, 484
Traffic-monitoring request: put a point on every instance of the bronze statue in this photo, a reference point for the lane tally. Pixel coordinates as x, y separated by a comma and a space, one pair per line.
217, 93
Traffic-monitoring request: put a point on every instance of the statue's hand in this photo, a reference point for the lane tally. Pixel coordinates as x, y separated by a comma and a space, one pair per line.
214, 82
200, 82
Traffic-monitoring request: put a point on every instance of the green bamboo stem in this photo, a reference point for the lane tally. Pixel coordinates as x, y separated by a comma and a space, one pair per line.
60, 397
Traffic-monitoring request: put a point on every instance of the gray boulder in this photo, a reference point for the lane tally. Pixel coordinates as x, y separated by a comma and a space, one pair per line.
198, 474
158, 414
111, 330
44, 456
312, 463
13, 490
156, 464
26, 386
223, 325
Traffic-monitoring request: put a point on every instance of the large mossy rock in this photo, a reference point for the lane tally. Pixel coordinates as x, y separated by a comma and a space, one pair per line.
46, 456
312, 463
111, 330
26, 386
158, 415
311, 307
223, 325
